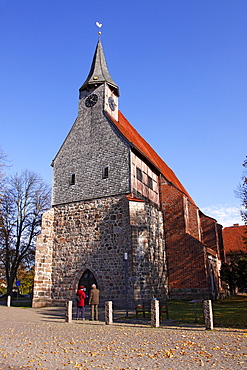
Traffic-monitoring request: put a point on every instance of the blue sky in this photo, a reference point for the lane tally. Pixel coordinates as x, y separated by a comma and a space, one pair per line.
181, 66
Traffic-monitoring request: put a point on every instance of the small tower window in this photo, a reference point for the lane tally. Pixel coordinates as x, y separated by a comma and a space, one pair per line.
150, 182
138, 174
72, 179
105, 172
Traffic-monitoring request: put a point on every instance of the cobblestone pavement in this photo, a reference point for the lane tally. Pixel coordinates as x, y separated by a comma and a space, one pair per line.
40, 339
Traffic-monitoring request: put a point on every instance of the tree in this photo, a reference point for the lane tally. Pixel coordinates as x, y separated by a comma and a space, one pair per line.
241, 193
26, 277
23, 201
2, 174
234, 273
2, 281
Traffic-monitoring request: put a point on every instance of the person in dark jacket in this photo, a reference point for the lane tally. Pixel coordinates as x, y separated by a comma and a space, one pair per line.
94, 302
81, 303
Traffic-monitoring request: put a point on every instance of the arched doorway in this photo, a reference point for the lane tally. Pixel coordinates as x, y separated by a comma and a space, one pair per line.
87, 280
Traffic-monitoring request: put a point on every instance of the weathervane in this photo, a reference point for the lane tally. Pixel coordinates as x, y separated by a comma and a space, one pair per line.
99, 25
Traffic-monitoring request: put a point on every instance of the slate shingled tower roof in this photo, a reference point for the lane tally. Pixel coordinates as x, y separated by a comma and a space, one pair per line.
99, 71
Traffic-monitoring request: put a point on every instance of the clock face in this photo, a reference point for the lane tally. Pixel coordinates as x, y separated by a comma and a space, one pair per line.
111, 103
91, 100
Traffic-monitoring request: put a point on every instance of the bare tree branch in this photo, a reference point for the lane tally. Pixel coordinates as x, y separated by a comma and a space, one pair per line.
24, 200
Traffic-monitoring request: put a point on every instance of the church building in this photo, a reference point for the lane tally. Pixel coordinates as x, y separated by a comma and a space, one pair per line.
120, 218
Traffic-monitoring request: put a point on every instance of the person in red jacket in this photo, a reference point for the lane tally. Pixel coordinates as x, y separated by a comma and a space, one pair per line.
81, 303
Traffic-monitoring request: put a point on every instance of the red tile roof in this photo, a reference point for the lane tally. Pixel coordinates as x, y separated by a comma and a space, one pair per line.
233, 238
147, 151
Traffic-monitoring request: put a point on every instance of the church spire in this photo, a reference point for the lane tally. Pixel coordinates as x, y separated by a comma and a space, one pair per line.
99, 72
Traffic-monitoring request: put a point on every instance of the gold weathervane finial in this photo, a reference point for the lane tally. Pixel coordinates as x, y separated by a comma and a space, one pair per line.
99, 25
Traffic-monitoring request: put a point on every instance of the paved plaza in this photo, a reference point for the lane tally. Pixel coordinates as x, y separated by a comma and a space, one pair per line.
41, 339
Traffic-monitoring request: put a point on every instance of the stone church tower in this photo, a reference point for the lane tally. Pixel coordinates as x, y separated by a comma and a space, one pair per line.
114, 199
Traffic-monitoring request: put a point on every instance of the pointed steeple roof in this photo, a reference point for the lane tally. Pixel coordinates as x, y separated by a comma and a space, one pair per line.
99, 72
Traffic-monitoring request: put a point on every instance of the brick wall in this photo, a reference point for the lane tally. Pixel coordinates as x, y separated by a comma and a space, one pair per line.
221, 243
186, 255
212, 239
210, 233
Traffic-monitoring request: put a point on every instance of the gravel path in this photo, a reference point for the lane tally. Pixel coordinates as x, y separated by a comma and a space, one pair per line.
40, 339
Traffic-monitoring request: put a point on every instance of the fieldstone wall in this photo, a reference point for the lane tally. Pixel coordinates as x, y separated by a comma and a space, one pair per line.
148, 252
90, 235
43, 262
94, 235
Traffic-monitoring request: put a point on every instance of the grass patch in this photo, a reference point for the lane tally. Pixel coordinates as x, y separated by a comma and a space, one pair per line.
22, 302
229, 312
183, 312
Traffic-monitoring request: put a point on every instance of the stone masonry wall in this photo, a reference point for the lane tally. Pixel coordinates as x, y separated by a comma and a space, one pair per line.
94, 235
90, 235
149, 272
43, 262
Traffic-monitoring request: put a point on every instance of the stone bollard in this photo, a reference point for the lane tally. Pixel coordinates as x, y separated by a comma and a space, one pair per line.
155, 314
68, 314
8, 301
208, 314
108, 313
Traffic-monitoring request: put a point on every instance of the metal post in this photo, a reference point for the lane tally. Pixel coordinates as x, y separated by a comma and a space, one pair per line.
126, 282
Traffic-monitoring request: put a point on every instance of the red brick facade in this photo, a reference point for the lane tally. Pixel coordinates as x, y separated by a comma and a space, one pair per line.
187, 234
